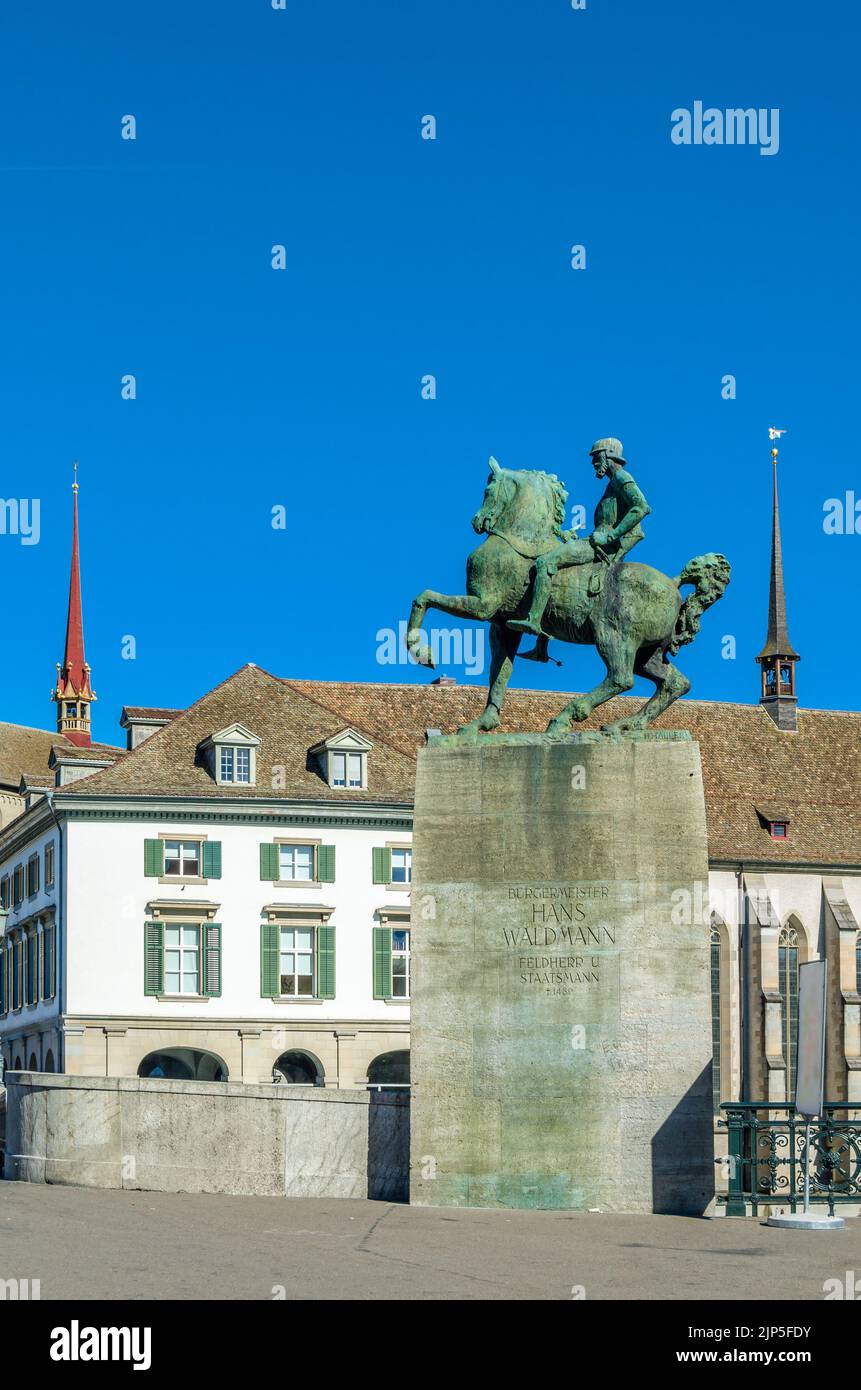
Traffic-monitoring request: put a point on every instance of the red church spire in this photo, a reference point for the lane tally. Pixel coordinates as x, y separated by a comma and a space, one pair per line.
73, 692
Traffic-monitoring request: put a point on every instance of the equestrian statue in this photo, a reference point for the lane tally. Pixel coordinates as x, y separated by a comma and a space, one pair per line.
531, 576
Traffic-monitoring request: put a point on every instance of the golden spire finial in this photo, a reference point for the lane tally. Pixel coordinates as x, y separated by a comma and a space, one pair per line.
75, 483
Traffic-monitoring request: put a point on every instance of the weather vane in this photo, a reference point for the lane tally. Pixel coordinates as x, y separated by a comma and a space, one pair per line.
774, 434
75, 483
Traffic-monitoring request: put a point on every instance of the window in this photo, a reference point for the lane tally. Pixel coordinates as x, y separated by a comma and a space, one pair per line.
296, 961
286, 862
296, 863
392, 864
235, 765
402, 865
17, 964
181, 960
715, 982
347, 770
32, 971
779, 829
32, 876
182, 858
787, 967
400, 964
4, 1004
391, 960
48, 961
231, 755
186, 860
71, 711
343, 759
49, 865
5, 893
18, 885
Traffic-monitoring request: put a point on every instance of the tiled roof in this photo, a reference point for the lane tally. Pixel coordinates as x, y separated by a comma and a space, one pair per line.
145, 712
288, 723
25, 752
813, 776
95, 752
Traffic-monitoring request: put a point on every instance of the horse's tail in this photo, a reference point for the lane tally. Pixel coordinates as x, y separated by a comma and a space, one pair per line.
710, 575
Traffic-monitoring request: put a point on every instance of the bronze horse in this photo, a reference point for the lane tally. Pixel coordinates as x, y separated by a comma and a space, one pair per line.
636, 619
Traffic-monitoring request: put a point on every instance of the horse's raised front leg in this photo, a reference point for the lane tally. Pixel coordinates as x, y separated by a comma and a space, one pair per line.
503, 649
458, 605
618, 652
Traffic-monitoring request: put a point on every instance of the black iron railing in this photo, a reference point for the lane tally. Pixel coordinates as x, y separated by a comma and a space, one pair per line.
769, 1159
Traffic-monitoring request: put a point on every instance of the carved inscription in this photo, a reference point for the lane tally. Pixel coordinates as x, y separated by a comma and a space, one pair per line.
560, 916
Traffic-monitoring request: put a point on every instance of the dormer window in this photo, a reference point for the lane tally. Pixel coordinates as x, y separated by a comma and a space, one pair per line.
775, 820
343, 760
347, 770
235, 765
231, 756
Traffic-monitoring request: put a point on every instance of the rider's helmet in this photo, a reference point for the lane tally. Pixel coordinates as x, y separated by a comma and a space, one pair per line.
613, 447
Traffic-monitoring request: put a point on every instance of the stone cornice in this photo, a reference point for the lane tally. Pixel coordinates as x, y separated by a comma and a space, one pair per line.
252, 811
771, 866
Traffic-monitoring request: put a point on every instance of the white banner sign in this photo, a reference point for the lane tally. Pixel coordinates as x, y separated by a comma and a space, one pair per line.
810, 1070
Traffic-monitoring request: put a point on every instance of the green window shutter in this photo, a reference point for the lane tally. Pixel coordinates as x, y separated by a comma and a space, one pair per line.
382, 865
211, 982
47, 963
153, 858
325, 863
153, 958
269, 862
32, 969
382, 962
325, 963
270, 984
212, 859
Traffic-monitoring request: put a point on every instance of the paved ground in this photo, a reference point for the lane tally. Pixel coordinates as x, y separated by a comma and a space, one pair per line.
85, 1244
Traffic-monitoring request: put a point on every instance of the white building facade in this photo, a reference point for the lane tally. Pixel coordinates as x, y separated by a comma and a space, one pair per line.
181, 939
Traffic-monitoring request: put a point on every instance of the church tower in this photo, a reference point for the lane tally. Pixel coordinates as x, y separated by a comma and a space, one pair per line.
778, 656
73, 693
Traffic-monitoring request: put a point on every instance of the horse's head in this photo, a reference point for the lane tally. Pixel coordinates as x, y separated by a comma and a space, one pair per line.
525, 502
499, 492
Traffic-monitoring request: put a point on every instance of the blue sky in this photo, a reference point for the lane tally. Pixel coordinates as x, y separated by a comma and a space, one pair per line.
258, 388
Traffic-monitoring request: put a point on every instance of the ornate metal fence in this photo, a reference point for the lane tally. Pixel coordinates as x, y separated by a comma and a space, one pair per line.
769, 1161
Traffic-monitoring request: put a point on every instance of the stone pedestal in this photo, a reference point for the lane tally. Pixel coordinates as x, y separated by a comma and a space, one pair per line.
561, 1013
